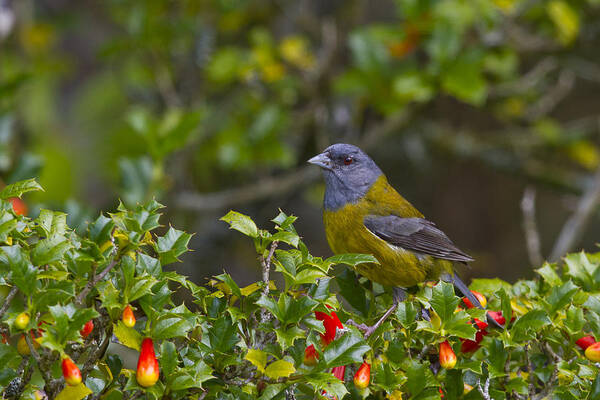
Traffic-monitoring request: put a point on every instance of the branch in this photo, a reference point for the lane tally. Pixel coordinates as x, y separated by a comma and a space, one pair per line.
576, 224
264, 188
81, 297
532, 235
51, 384
531, 376
266, 266
549, 386
8, 300
553, 96
485, 390
274, 186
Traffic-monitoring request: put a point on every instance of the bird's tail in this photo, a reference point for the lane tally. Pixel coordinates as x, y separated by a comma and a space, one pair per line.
460, 285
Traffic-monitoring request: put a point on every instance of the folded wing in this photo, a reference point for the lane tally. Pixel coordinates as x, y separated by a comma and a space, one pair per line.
415, 234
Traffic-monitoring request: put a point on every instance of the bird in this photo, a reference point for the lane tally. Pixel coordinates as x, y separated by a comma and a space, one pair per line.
363, 213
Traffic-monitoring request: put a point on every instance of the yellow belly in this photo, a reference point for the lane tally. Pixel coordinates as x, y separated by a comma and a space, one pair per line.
346, 233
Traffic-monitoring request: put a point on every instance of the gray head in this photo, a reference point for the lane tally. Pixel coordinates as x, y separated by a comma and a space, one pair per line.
349, 173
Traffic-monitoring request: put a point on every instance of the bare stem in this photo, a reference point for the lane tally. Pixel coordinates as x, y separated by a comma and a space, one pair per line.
8, 300
485, 390
266, 266
94, 282
52, 385
531, 376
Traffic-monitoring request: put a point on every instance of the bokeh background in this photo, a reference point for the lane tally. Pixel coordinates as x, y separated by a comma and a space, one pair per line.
471, 107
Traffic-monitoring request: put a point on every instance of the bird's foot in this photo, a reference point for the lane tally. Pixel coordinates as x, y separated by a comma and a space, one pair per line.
368, 330
361, 327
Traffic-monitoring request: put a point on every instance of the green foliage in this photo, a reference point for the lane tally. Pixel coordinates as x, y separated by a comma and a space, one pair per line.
248, 342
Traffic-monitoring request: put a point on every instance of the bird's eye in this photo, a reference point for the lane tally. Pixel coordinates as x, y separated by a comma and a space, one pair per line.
348, 160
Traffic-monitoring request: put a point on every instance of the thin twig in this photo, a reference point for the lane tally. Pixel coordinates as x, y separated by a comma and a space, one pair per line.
549, 386
532, 235
576, 224
553, 96
266, 266
485, 390
25, 377
8, 300
531, 375
51, 384
94, 281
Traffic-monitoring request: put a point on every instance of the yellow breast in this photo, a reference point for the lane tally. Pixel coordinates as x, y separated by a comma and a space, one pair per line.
346, 233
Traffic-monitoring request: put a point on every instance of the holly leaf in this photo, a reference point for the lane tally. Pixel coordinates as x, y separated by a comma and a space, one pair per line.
127, 336
347, 349
561, 296
443, 300
172, 245
23, 273
18, 188
280, 369
241, 223
77, 392
258, 358
327, 382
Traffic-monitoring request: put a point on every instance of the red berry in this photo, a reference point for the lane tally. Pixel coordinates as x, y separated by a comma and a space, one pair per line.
469, 345
497, 315
87, 329
585, 342
147, 367
480, 324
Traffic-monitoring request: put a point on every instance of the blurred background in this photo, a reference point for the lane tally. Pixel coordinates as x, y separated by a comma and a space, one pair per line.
483, 113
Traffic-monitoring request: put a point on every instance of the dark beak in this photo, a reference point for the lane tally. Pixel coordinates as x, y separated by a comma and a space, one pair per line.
322, 160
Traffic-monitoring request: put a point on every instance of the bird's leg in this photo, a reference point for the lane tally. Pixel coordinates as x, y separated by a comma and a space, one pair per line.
399, 296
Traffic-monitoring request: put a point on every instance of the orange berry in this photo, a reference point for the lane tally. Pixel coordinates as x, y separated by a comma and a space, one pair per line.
362, 376
593, 352
479, 296
128, 317
447, 356
310, 356
585, 342
71, 372
18, 205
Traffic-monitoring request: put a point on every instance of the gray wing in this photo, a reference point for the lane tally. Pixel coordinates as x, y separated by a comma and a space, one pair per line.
415, 234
